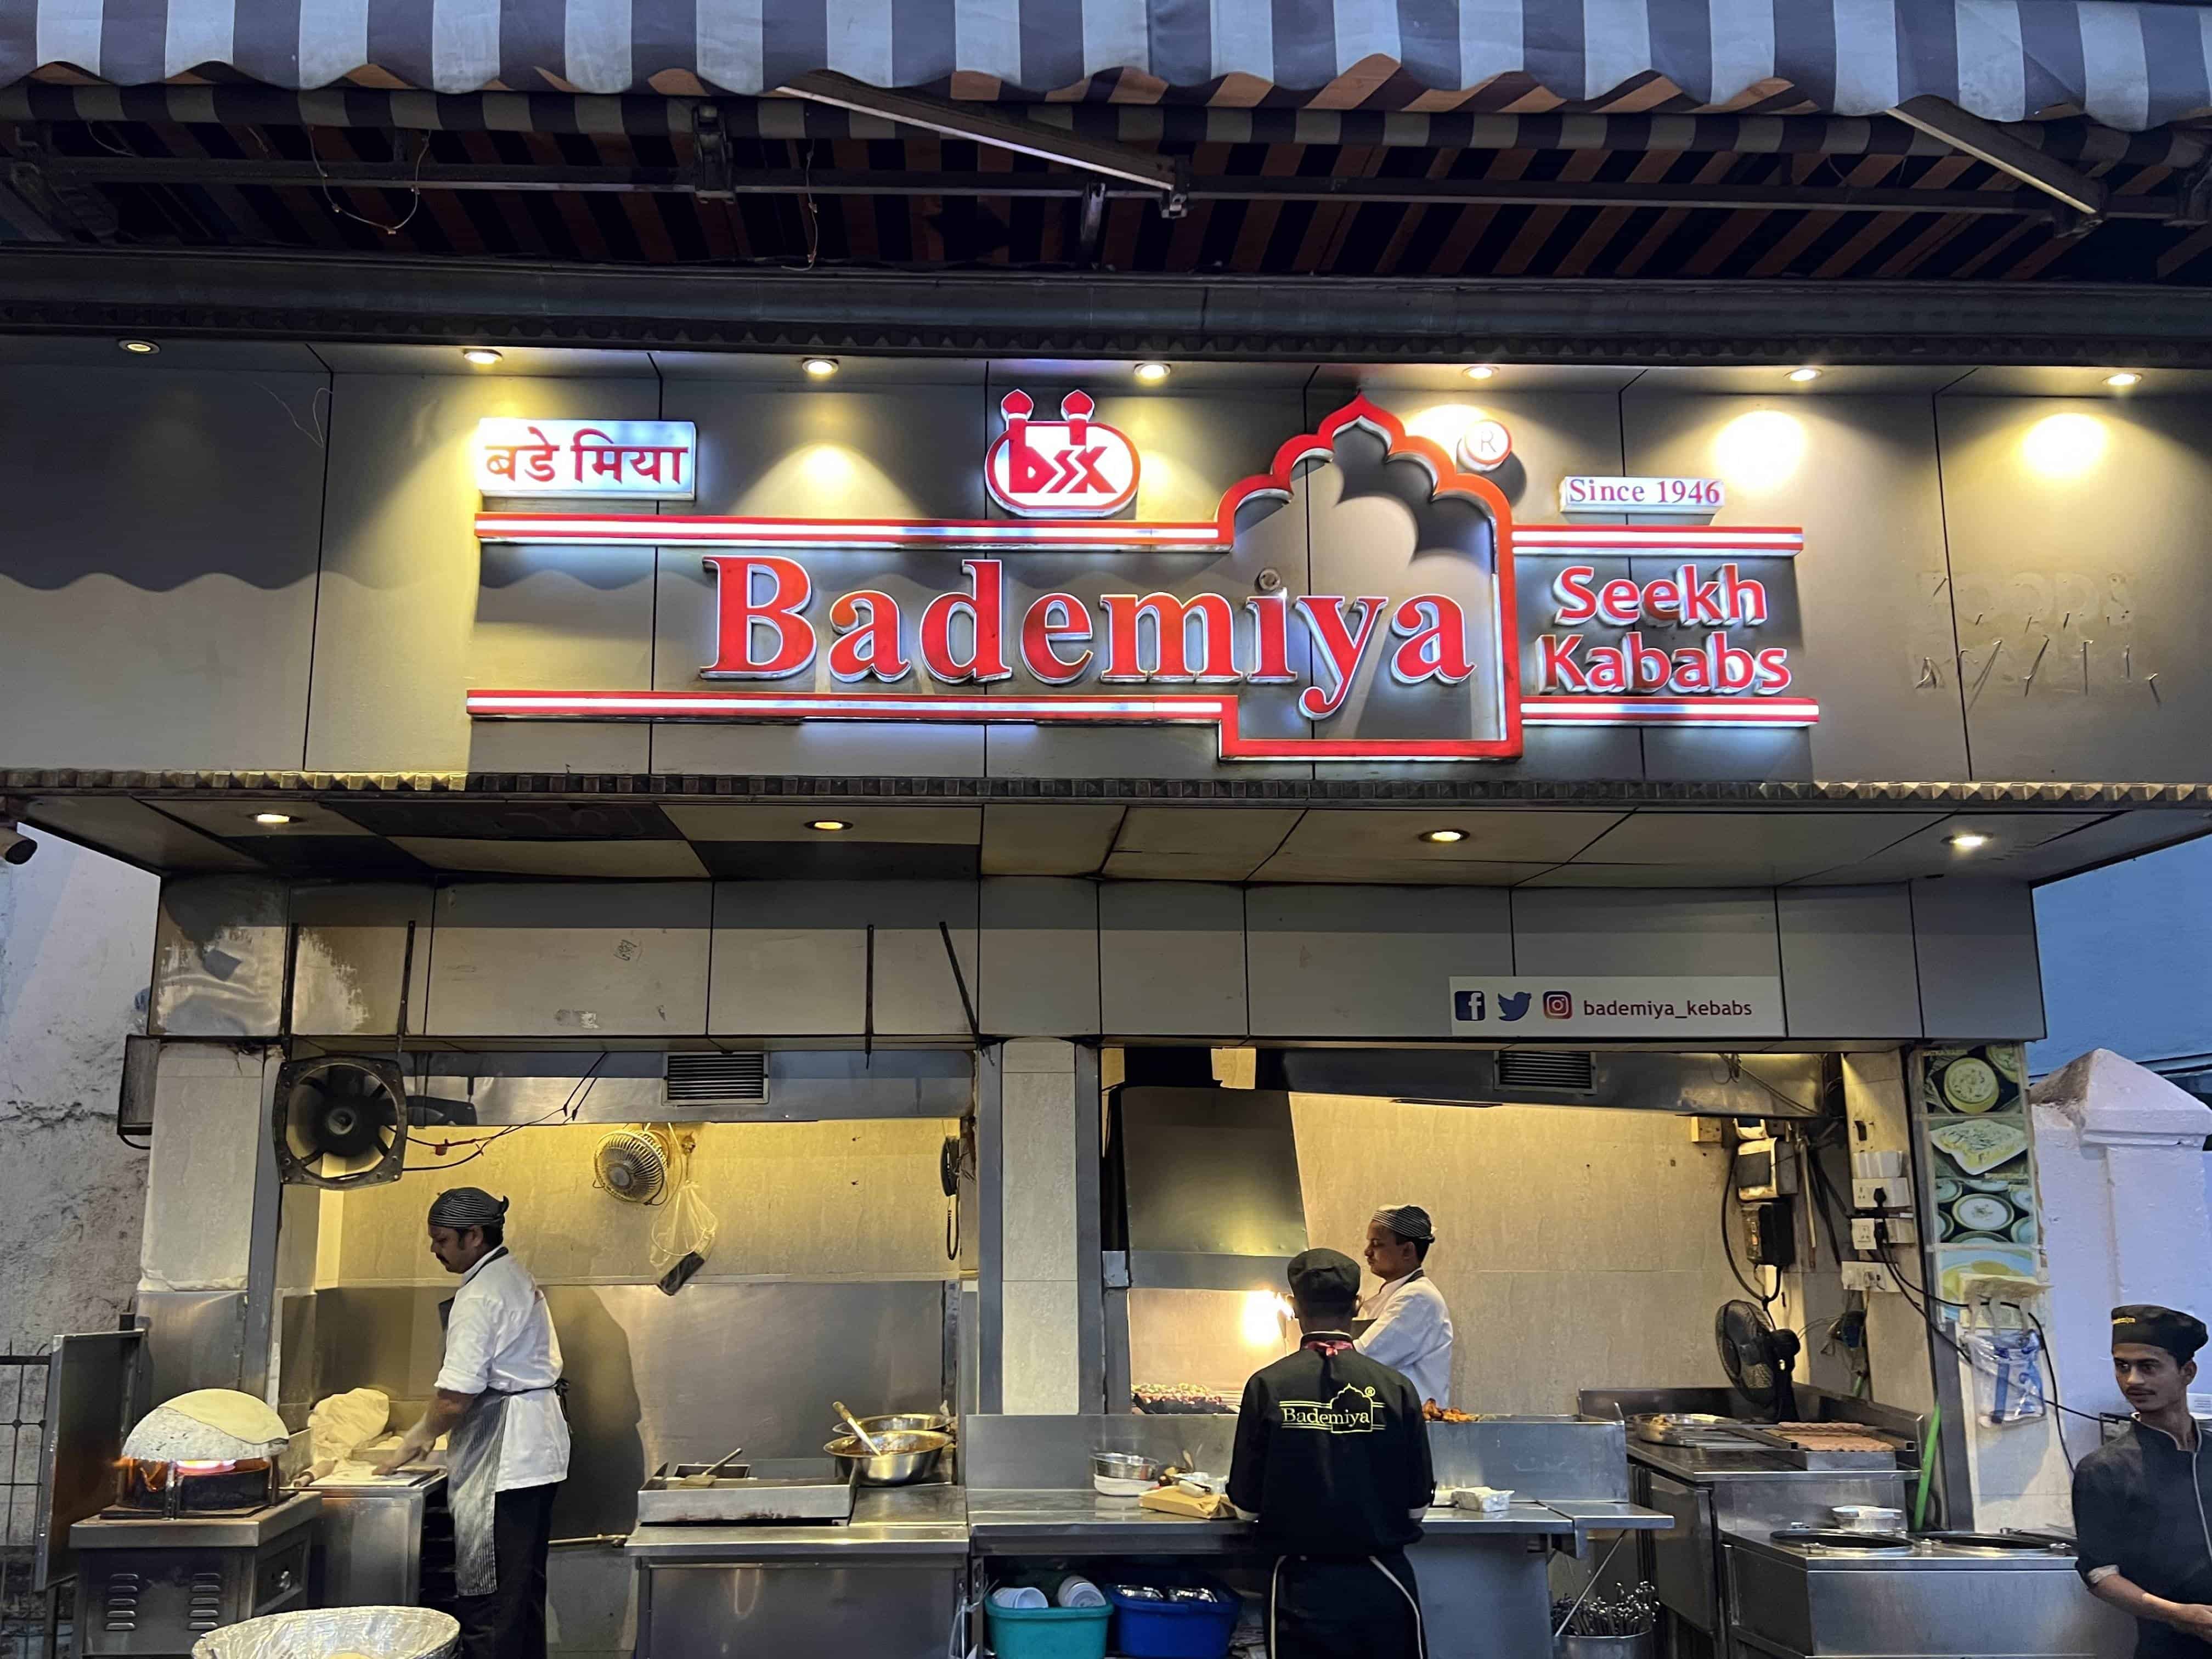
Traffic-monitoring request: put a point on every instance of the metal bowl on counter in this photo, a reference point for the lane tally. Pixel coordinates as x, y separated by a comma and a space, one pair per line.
1123, 1475
903, 1457
906, 1423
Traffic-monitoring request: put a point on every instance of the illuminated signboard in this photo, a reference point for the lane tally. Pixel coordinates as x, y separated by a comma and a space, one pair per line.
1694, 497
644, 460
1440, 671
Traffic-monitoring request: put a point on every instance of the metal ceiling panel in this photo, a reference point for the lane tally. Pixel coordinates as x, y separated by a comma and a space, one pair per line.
634, 860
234, 819
1224, 835
957, 826
1929, 852
1510, 835
1392, 871
1714, 872
1024, 840
2124, 835
1790, 844
137, 833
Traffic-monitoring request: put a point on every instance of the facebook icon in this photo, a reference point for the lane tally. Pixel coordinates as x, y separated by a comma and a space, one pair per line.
1468, 1006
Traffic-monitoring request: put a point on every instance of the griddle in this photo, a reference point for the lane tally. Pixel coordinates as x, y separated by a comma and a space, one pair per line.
1839, 1538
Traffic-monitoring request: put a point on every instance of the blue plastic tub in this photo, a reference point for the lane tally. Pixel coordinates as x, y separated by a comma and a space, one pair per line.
1048, 1632
1175, 1630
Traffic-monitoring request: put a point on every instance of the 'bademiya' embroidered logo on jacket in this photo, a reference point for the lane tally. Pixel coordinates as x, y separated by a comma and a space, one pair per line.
1353, 1411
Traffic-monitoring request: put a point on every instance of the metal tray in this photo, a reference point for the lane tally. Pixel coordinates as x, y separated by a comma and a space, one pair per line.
1834, 1461
807, 1489
1686, 1429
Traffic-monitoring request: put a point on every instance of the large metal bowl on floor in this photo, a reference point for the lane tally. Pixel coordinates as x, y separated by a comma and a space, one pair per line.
906, 1457
320, 1633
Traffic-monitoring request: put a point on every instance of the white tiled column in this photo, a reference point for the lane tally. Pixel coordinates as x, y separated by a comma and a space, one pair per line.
1040, 1344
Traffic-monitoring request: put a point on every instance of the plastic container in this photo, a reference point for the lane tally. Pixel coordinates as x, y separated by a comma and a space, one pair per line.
1175, 1630
1047, 1633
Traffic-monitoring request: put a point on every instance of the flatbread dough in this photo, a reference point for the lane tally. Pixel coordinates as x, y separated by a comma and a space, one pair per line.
238, 1415
342, 1423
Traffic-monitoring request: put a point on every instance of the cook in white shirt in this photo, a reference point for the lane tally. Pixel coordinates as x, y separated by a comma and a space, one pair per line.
498, 1403
1412, 1327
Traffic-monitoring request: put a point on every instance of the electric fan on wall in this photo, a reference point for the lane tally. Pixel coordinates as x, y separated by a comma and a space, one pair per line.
339, 1121
1758, 1357
633, 1165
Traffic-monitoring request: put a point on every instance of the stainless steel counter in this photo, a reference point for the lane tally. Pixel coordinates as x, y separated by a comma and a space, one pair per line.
1058, 1520
890, 1521
1701, 1465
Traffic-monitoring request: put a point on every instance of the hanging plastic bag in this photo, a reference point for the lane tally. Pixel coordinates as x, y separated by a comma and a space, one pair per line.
2008, 1367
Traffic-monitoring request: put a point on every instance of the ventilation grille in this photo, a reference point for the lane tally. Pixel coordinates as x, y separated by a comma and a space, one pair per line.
717, 1079
1573, 1070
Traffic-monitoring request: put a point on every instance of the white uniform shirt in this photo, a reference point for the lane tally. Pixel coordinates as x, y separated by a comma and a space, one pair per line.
499, 1335
1413, 1333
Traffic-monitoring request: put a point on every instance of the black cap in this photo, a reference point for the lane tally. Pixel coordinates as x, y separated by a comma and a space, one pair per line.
1324, 1279
2180, 1333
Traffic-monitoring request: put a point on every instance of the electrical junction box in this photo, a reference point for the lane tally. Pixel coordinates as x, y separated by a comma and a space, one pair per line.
1706, 1131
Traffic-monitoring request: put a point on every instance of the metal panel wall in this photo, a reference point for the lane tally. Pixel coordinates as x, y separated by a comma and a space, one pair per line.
2077, 535
579, 959
1039, 951
1847, 961
791, 957
352, 956
1980, 973
157, 581
412, 612
1368, 962
1171, 958
1625, 931
219, 946
1859, 474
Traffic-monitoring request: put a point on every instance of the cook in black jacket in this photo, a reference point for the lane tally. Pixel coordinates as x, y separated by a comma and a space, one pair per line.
1333, 1458
2143, 1505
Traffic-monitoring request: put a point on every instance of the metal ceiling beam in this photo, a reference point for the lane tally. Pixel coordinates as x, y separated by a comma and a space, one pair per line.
762, 308
983, 125
100, 170
1987, 142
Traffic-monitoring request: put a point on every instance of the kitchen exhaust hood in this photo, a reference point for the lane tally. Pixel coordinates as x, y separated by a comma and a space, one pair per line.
1201, 1188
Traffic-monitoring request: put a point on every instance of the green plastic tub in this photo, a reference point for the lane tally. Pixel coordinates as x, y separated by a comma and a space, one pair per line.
1047, 1633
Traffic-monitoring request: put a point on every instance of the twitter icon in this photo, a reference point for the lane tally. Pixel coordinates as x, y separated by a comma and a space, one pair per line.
1512, 1006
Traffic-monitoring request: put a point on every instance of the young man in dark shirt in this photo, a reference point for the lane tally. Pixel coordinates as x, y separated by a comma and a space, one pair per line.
2143, 1505
1332, 1458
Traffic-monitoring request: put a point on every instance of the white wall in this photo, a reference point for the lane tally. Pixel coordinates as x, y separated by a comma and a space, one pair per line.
2127, 960
76, 937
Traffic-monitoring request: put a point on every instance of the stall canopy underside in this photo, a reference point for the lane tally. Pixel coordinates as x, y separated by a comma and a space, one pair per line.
2129, 66
1752, 836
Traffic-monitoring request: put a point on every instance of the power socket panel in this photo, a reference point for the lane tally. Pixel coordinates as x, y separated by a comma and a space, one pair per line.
1881, 1193
1867, 1231
1871, 1276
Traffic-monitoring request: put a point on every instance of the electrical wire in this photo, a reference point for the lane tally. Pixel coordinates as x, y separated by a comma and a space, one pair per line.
566, 1111
2051, 1376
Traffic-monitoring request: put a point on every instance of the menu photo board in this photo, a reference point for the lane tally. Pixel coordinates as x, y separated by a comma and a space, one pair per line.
1982, 1222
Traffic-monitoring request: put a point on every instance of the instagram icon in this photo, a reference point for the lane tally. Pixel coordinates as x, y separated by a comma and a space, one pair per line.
1559, 1005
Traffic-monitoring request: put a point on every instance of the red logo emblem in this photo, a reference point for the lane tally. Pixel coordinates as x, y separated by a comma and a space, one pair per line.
1073, 467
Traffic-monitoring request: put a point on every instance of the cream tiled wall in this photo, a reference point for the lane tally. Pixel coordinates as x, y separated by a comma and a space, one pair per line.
1577, 1248
1039, 1345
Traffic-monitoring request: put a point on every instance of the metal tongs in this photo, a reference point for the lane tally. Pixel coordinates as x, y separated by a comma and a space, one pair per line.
853, 1424
706, 1476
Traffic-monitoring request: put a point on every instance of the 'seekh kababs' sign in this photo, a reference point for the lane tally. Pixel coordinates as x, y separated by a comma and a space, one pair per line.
1673, 649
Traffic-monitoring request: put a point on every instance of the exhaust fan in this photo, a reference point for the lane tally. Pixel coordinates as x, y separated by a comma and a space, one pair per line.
340, 1122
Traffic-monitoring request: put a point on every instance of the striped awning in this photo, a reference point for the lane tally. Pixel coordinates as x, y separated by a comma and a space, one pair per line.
2127, 65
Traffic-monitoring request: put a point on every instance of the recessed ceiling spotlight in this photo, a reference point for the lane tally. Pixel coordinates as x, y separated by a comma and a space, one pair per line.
139, 348
1443, 837
1804, 376
482, 357
272, 818
1966, 841
2123, 380
1479, 371
820, 368
1152, 373
829, 826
